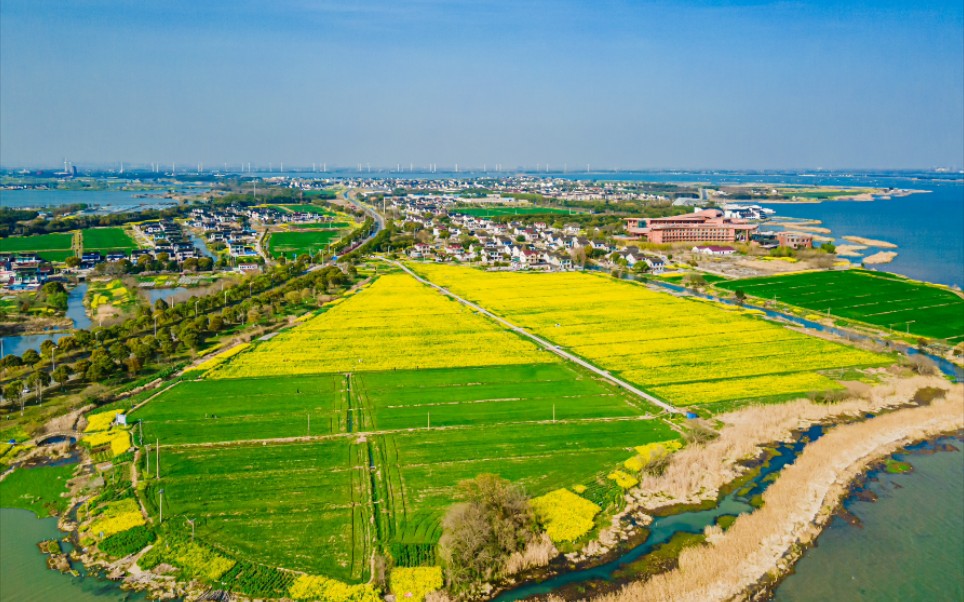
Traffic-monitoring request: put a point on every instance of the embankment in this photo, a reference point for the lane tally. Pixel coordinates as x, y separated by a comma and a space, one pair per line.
759, 547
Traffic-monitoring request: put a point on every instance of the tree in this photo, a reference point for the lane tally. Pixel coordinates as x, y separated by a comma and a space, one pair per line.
48, 347
134, 365
740, 296
14, 391
31, 357
492, 521
190, 265
62, 374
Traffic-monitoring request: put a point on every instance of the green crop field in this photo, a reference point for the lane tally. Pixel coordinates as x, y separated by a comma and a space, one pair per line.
248, 408
497, 211
37, 244
55, 255
886, 301
296, 243
107, 239
495, 419
301, 506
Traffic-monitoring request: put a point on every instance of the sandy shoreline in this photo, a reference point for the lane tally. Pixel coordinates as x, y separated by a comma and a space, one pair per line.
762, 546
880, 257
870, 242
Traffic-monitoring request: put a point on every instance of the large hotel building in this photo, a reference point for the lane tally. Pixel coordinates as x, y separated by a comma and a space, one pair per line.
707, 225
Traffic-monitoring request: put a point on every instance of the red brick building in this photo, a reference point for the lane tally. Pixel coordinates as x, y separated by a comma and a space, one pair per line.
707, 225
795, 240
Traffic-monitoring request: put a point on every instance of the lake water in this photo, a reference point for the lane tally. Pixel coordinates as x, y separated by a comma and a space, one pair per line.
75, 311
910, 548
26, 577
928, 229
109, 201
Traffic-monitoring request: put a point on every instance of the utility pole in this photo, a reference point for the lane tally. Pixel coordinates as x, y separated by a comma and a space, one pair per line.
429, 416
191, 521
160, 506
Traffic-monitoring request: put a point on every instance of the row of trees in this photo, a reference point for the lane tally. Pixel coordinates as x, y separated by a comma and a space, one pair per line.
159, 334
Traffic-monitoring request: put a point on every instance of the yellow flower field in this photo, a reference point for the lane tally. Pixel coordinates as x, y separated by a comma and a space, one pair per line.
683, 350
101, 421
396, 323
624, 480
117, 516
566, 516
413, 584
217, 360
323, 589
119, 440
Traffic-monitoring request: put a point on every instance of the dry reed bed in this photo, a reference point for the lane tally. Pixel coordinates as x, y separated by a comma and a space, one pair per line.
697, 473
761, 545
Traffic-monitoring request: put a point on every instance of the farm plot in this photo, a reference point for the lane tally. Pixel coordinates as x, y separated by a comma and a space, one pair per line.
879, 300
686, 351
421, 468
301, 506
52, 247
396, 323
107, 239
246, 409
485, 396
302, 241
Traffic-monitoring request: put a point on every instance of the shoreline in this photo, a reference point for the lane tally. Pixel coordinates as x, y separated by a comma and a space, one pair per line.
796, 509
767, 591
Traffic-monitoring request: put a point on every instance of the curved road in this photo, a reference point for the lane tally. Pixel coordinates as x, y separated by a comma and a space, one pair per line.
546, 344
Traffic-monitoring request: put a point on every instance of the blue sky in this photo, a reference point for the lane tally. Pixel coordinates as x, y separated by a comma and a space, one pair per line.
611, 83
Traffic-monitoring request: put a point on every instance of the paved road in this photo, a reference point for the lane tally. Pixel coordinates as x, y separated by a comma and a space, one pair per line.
546, 344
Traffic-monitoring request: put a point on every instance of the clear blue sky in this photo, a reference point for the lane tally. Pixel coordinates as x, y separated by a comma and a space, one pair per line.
628, 84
